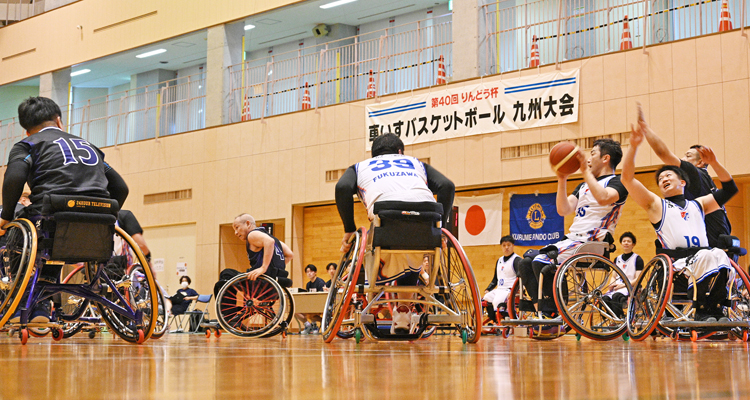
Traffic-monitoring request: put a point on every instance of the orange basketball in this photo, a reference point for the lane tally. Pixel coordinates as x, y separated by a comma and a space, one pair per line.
563, 158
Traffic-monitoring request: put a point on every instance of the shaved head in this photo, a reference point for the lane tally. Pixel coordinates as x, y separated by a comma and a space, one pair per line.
242, 218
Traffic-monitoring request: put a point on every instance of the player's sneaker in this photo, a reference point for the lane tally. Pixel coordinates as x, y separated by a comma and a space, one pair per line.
401, 320
414, 323
307, 330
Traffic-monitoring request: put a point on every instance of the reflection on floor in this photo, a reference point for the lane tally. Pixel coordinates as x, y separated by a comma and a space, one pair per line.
303, 367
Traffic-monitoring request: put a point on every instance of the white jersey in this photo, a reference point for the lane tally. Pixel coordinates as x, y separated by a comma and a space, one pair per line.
394, 177
506, 276
628, 267
592, 221
681, 228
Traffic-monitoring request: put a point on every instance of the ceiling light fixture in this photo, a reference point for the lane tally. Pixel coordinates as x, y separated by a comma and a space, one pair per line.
80, 72
336, 4
151, 53
249, 26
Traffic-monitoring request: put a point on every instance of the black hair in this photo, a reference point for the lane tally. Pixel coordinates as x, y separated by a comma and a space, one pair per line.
35, 111
331, 264
628, 235
683, 176
696, 146
611, 148
186, 278
507, 238
311, 268
387, 144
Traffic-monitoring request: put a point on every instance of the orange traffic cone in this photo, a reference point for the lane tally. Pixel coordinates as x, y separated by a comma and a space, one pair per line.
306, 98
371, 87
725, 23
246, 109
441, 72
626, 42
534, 54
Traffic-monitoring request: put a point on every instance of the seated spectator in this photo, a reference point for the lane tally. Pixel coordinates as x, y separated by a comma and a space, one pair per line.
315, 284
181, 300
331, 269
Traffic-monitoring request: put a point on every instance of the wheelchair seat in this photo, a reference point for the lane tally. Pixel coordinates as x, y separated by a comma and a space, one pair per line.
78, 228
404, 225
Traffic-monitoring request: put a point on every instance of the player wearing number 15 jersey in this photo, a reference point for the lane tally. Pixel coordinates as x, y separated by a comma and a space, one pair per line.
54, 162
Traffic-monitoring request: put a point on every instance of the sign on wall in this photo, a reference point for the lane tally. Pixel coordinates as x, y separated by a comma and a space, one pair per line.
534, 220
158, 264
493, 105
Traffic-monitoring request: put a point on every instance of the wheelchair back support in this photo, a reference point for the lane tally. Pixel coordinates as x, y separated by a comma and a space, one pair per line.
407, 226
78, 228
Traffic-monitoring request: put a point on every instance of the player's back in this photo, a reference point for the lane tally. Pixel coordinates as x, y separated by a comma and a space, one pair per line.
61, 163
392, 177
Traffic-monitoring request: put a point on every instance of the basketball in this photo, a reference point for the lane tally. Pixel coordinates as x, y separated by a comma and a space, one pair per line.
563, 158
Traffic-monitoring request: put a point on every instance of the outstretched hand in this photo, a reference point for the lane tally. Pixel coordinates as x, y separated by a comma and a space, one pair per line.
707, 155
636, 135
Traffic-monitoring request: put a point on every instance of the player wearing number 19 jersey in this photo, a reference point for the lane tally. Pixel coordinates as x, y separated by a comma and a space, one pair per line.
55, 162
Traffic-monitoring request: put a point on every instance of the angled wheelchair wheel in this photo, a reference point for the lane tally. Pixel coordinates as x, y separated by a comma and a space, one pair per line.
73, 307
649, 297
287, 315
130, 305
456, 273
136, 272
18, 258
338, 302
583, 287
251, 308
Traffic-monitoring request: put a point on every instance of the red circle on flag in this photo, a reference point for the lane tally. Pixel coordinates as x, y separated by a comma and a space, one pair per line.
475, 220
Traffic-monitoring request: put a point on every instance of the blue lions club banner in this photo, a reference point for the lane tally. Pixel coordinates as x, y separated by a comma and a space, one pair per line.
534, 220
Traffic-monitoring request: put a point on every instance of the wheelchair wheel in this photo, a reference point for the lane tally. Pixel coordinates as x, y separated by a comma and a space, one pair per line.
287, 315
136, 272
71, 306
649, 297
456, 272
581, 284
126, 295
342, 286
18, 257
250, 308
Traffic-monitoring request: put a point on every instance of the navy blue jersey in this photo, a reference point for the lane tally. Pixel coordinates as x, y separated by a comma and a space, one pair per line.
60, 163
277, 267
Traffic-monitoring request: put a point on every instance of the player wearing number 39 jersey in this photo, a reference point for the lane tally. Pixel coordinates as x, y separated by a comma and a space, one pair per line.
54, 162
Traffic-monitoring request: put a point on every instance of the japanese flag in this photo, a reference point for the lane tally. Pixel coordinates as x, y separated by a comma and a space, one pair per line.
480, 219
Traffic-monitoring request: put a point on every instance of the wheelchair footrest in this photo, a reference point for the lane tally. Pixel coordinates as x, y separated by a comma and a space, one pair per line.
385, 333
703, 324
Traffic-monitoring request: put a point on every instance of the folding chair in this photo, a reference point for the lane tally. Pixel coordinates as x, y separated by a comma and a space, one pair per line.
182, 321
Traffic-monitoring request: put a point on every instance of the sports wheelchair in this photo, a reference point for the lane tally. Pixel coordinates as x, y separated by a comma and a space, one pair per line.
73, 229
584, 287
655, 305
357, 306
260, 308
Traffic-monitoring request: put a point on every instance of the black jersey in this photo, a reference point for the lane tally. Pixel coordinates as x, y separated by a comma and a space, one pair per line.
128, 222
277, 267
701, 184
60, 163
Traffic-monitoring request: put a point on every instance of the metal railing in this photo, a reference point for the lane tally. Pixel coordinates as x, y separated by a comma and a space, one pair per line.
16, 10
573, 29
146, 112
401, 58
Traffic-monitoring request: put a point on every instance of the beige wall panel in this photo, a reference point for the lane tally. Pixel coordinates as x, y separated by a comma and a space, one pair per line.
73, 46
736, 110
684, 64
177, 244
474, 156
615, 116
592, 81
491, 149
323, 233
659, 68
636, 73
708, 57
531, 136
613, 69
711, 118
455, 166
733, 57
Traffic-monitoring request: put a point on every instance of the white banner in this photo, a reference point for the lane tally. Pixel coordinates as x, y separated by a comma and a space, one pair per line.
480, 219
494, 105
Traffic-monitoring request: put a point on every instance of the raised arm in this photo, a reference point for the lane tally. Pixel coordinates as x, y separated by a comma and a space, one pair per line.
715, 200
642, 196
603, 195
660, 148
565, 204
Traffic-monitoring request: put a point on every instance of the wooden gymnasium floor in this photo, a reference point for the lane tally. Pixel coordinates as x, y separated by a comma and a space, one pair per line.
184, 366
